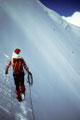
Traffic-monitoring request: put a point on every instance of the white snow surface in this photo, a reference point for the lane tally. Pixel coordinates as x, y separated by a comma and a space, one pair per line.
51, 49
74, 19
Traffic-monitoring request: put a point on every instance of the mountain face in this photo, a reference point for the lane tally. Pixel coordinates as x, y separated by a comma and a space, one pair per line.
51, 49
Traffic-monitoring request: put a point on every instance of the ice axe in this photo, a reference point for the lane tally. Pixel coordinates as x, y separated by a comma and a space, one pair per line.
5, 80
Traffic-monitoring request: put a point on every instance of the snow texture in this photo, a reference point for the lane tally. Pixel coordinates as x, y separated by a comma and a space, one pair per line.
51, 49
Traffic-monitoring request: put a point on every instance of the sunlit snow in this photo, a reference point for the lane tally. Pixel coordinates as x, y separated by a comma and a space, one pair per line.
74, 19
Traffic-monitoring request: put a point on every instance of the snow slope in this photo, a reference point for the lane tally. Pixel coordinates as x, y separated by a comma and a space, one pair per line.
51, 48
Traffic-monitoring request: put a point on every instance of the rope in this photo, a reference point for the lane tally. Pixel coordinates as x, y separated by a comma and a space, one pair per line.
31, 104
30, 83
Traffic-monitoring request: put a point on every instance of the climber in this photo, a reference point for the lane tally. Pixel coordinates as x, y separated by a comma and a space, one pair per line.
18, 65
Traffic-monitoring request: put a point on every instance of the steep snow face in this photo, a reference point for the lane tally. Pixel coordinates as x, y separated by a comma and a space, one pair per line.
51, 48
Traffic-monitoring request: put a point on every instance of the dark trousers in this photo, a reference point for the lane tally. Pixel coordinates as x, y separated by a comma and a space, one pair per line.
18, 79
